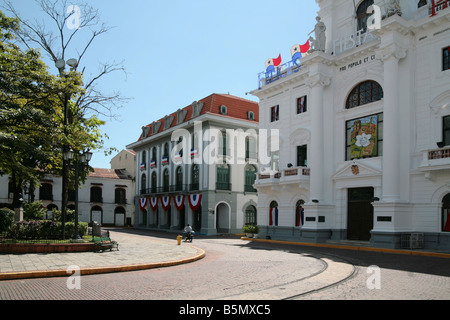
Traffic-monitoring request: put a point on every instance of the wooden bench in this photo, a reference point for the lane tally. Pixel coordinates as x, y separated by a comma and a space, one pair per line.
102, 244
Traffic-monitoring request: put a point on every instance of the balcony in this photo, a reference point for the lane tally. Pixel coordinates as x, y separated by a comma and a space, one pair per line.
438, 5
299, 175
171, 189
437, 159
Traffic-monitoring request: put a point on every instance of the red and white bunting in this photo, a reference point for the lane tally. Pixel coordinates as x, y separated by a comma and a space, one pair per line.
165, 201
179, 202
194, 201
153, 203
143, 203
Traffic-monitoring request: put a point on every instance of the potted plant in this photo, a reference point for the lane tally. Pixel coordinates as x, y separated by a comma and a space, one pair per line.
250, 230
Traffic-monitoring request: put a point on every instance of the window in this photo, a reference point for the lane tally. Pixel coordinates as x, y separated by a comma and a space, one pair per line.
302, 104
299, 213
275, 113
250, 177
223, 110
46, 192
195, 179
364, 137
153, 183
250, 148
179, 178
446, 213
96, 194
223, 177
120, 196
250, 115
362, 16
143, 184
302, 158
446, 134
364, 93
446, 59
166, 180
250, 216
273, 214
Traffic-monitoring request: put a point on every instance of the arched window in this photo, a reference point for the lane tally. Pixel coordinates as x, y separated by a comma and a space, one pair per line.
299, 213
166, 180
364, 93
250, 216
195, 178
179, 179
446, 213
362, 16
153, 183
143, 184
273, 214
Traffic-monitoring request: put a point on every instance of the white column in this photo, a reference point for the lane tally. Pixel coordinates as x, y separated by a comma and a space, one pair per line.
391, 141
317, 84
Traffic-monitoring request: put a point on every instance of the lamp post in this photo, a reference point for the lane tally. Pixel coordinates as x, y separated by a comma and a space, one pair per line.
61, 65
80, 163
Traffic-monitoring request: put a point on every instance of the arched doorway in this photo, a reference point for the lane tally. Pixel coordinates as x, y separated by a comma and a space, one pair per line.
223, 218
250, 216
273, 214
446, 213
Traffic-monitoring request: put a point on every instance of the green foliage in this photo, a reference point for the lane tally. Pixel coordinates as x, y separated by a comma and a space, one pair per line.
250, 229
44, 230
34, 211
6, 219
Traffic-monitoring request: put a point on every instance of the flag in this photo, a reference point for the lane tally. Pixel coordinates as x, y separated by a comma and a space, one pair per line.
273, 214
152, 163
271, 64
143, 166
153, 203
142, 203
195, 201
165, 201
165, 160
179, 202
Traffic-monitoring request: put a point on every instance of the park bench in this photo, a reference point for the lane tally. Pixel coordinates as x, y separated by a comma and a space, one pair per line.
102, 244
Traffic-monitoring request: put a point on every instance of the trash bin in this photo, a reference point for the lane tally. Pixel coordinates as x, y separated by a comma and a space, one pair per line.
96, 229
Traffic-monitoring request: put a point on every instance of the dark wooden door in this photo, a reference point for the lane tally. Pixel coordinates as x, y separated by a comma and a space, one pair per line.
360, 214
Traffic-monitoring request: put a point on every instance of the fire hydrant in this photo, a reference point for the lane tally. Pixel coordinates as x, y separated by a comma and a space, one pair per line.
179, 239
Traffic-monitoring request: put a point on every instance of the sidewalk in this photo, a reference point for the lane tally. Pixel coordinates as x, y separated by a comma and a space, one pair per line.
136, 252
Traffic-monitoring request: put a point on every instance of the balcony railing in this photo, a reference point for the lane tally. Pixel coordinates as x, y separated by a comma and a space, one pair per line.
287, 175
176, 188
439, 154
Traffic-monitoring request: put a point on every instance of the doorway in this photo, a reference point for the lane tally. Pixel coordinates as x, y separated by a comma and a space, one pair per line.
359, 214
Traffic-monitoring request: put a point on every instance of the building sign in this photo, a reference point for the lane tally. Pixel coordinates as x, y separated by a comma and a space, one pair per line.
357, 63
364, 137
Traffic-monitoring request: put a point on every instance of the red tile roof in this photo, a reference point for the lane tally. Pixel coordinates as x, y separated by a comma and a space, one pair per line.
237, 108
109, 174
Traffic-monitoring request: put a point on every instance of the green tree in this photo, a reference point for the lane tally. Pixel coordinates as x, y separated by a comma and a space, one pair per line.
33, 146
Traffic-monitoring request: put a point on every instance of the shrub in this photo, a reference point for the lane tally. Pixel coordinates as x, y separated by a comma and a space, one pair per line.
250, 229
45, 230
34, 211
6, 219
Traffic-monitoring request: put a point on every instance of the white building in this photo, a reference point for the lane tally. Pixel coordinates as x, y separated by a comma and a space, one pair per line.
107, 196
366, 156
195, 167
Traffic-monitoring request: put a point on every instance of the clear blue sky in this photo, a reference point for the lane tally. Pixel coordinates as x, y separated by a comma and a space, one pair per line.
176, 52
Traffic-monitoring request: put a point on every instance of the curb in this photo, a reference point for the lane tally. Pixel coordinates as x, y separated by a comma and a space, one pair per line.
357, 248
98, 270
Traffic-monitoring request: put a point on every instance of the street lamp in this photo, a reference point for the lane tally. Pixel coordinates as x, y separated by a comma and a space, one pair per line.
61, 65
81, 163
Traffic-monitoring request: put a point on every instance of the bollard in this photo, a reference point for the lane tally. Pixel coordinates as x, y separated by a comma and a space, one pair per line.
179, 239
